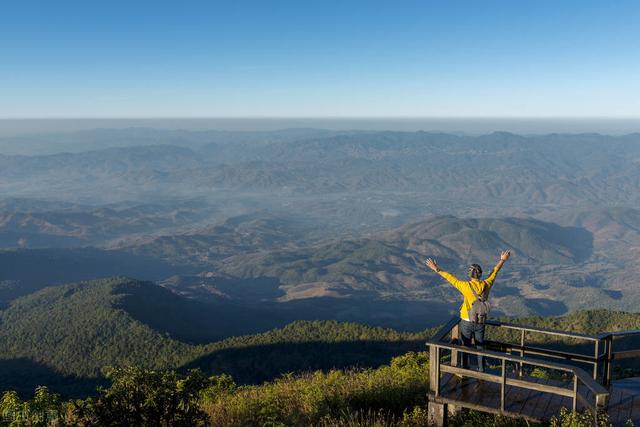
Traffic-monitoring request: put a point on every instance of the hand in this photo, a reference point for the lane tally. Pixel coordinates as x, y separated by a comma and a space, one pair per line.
505, 255
432, 265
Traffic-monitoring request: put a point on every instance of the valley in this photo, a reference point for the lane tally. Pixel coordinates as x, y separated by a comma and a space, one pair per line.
199, 247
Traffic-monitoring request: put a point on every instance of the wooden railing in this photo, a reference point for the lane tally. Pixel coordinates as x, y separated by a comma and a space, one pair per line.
594, 359
600, 358
447, 339
612, 355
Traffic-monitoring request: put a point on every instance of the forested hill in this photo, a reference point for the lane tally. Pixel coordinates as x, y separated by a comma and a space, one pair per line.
590, 322
64, 336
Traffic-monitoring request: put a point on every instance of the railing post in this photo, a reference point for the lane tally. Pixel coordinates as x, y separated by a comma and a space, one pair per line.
520, 371
608, 359
434, 369
436, 412
575, 393
601, 403
596, 354
503, 384
455, 339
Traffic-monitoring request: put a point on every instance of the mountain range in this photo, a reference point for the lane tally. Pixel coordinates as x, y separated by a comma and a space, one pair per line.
186, 249
495, 169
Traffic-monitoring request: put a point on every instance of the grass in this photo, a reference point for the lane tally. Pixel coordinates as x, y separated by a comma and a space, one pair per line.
323, 398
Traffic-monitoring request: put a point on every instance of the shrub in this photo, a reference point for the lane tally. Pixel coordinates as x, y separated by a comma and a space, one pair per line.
568, 418
147, 397
43, 410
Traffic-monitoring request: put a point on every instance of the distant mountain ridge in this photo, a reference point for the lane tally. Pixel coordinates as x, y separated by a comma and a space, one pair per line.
558, 169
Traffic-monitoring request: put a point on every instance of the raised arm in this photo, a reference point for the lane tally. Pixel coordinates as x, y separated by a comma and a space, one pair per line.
453, 280
492, 276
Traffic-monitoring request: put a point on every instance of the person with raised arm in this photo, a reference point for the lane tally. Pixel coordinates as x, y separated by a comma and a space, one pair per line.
474, 308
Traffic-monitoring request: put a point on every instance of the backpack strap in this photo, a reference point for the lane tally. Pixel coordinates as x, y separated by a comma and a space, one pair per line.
475, 294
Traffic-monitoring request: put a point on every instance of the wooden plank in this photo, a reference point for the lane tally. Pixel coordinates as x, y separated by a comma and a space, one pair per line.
635, 410
470, 373
574, 399
539, 351
445, 379
542, 402
632, 399
601, 393
622, 414
457, 389
618, 333
503, 385
617, 355
444, 331
586, 403
490, 394
614, 406
453, 387
433, 370
538, 402
487, 409
469, 390
585, 394
524, 395
625, 406
455, 339
540, 387
541, 330
536, 398
553, 408
517, 398
607, 369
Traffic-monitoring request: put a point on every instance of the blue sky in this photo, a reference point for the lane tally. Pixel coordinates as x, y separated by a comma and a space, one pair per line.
321, 58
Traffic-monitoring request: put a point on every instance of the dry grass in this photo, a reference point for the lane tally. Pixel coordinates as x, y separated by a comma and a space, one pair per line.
326, 398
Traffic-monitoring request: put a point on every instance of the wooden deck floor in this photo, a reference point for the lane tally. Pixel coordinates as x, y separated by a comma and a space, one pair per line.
624, 403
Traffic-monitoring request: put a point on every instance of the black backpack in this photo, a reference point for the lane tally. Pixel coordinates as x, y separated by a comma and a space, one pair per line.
480, 308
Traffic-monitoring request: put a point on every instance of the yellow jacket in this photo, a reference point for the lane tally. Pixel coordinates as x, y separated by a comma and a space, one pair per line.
465, 289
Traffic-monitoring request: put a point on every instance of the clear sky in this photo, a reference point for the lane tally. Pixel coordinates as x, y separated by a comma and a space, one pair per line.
270, 58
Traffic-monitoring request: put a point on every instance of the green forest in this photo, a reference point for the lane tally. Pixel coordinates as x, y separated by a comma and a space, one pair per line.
85, 354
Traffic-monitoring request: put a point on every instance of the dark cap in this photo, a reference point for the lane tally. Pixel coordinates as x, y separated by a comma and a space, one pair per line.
475, 271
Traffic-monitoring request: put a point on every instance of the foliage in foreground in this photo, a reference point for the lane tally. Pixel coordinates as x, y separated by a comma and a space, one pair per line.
315, 398
137, 397
390, 396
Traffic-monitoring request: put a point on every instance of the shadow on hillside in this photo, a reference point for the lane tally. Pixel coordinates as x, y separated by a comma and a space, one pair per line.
247, 365
259, 363
24, 375
57, 266
578, 239
546, 307
403, 315
199, 322
192, 321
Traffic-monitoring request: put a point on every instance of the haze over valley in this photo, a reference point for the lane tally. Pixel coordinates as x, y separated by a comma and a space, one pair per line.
325, 224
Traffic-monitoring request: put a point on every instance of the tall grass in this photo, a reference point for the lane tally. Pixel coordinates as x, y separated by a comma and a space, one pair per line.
321, 398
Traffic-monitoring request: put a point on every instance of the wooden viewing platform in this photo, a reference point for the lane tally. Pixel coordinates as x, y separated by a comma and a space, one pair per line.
508, 387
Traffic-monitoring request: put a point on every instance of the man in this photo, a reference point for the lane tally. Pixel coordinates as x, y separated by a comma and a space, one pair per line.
470, 290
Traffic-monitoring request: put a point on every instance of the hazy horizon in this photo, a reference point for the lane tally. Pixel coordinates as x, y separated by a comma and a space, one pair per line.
464, 125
